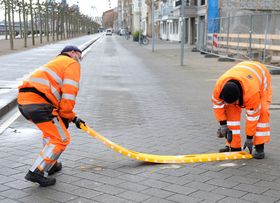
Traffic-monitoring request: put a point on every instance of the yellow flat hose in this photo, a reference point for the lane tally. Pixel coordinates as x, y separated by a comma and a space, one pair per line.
193, 158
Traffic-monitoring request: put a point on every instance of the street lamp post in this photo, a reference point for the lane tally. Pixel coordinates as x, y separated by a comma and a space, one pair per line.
182, 33
153, 29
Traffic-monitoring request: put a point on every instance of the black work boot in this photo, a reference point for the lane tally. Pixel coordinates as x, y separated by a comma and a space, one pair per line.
259, 153
56, 167
38, 177
227, 149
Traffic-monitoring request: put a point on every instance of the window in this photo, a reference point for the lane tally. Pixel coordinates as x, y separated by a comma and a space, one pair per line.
202, 2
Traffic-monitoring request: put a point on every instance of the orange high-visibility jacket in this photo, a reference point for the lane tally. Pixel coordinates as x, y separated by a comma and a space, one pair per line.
255, 81
59, 81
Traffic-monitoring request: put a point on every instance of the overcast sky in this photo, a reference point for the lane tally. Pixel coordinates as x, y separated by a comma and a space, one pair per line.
91, 8
87, 6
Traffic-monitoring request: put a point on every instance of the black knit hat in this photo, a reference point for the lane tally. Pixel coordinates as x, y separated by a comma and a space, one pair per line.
70, 48
230, 92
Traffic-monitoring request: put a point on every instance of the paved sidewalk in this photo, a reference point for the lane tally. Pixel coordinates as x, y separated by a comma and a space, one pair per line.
146, 102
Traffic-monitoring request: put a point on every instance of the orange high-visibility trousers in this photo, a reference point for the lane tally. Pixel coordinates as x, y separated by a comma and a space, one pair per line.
55, 140
262, 135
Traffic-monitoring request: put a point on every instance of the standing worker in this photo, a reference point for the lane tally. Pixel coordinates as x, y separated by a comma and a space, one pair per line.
246, 85
47, 98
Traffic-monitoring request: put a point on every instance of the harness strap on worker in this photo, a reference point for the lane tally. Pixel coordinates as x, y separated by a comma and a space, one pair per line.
34, 90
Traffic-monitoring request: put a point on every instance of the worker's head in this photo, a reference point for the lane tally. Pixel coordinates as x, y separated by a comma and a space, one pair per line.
72, 51
230, 92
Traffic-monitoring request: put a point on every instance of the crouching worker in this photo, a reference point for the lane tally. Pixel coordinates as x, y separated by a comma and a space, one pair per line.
246, 85
47, 99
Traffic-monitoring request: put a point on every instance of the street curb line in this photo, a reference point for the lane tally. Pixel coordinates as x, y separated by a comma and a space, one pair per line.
192, 158
7, 107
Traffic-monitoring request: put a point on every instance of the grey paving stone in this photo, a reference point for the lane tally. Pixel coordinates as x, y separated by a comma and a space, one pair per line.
134, 196
251, 188
269, 184
154, 183
132, 186
272, 193
215, 175
13, 194
132, 178
177, 180
109, 180
232, 200
87, 184
106, 198
5, 179
35, 199
3, 188
18, 184
157, 200
82, 200
208, 196
184, 199
112, 190
67, 178
180, 189
229, 192
259, 198
242, 179
222, 183
9, 201
201, 186
157, 192
86, 193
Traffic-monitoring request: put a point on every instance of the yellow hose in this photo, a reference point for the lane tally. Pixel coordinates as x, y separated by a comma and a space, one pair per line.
193, 158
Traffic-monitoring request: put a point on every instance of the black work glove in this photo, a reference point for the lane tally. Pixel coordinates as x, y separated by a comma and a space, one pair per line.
78, 122
228, 135
65, 121
249, 143
222, 131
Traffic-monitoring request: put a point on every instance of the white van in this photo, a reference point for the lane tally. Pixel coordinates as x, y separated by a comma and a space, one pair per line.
109, 32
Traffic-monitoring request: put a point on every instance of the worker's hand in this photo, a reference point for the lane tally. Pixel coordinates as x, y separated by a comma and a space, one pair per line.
78, 122
222, 131
249, 144
228, 135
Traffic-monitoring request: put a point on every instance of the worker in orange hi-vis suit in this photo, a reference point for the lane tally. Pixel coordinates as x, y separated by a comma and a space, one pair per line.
246, 85
47, 98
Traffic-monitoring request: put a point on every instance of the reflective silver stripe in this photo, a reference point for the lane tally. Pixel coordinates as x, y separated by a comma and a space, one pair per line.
47, 83
252, 70
266, 133
251, 112
233, 123
60, 130
251, 118
53, 74
69, 97
218, 106
55, 93
37, 163
263, 125
263, 73
39, 80
46, 152
235, 132
45, 141
70, 82
56, 156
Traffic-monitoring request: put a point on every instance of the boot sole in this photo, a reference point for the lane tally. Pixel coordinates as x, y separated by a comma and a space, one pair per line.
30, 178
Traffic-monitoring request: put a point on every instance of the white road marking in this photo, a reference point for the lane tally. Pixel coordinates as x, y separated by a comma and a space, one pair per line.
9, 121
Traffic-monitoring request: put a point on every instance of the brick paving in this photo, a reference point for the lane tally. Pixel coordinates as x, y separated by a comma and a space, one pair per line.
146, 102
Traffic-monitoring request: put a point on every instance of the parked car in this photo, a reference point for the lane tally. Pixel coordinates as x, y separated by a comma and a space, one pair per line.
123, 31
109, 32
